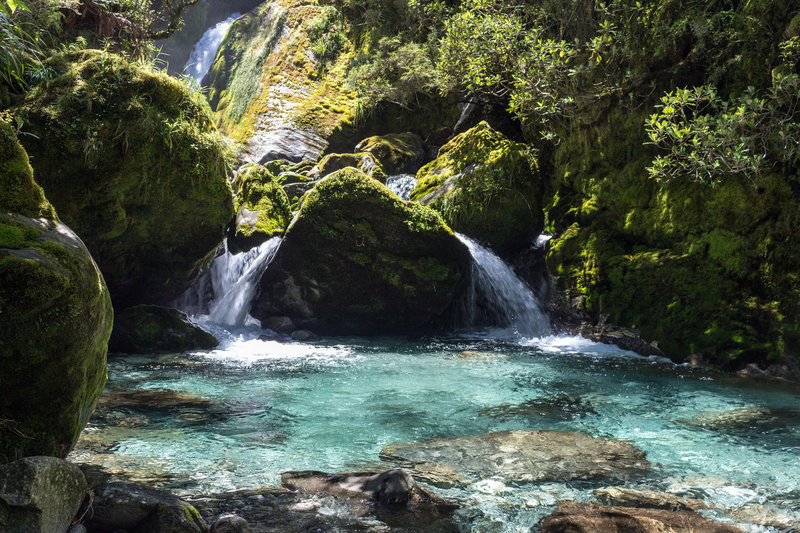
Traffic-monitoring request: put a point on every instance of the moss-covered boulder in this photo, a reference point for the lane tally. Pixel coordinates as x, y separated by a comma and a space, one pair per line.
485, 186
155, 329
132, 162
696, 269
357, 260
262, 208
398, 153
55, 319
363, 161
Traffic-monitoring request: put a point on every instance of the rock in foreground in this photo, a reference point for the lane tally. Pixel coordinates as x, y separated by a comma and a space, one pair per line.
39, 495
357, 260
528, 456
578, 517
154, 329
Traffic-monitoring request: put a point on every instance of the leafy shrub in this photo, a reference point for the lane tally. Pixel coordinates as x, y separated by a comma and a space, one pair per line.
326, 34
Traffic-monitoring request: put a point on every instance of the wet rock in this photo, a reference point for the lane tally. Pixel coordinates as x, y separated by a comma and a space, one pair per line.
364, 162
262, 208
278, 324
579, 517
230, 523
358, 260
405, 501
151, 399
140, 509
147, 329
303, 335
767, 516
732, 419
39, 495
77, 528
437, 475
398, 153
559, 407
528, 456
650, 499
626, 338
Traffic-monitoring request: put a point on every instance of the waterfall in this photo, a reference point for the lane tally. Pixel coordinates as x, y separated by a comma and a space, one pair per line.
225, 293
402, 185
205, 51
498, 297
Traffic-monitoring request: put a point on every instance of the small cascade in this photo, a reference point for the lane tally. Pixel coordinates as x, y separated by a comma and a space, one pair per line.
402, 185
499, 297
205, 51
232, 301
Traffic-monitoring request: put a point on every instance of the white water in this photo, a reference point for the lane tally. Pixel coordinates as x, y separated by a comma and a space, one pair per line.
497, 294
205, 51
402, 185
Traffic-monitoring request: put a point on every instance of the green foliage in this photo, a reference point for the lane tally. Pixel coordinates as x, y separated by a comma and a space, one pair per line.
395, 71
706, 137
23, 28
326, 34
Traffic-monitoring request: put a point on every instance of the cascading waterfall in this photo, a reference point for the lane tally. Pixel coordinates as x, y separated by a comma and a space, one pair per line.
402, 185
205, 51
227, 290
498, 297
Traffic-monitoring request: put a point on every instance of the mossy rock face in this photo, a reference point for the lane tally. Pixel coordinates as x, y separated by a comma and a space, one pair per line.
262, 208
155, 329
130, 159
697, 269
485, 186
398, 153
19, 193
365, 162
55, 318
357, 260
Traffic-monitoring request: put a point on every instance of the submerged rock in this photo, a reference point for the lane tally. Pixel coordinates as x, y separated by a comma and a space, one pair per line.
528, 456
39, 495
140, 509
357, 260
625, 497
398, 153
579, 517
732, 419
146, 329
486, 187
262, 209
767, 516
230, 523
151, 400
559, 407
132, 162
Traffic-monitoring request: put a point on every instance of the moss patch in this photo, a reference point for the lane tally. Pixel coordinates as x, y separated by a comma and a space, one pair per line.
131, 161
262, 208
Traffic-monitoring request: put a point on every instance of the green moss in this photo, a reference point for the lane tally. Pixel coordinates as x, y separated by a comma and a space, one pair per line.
131, 160
485, 186
18, 192
696, 269
363, 161
262, 205
363, 261
56, 316
397, 152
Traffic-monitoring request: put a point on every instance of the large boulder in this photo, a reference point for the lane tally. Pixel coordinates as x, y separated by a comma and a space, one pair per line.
132, 162
365, 162
357, 260
137, 508
55, 319
262, 208
155, 329
527, 456
39, 495
485, 186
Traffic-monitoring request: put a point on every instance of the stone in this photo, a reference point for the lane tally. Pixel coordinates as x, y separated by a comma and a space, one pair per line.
358, 260
365, 162
278, 324
39, 495
262, 209
151, 329
579, 517
303, 335
487, 187
153, 161
527, 456
398, 153
732, 419
140, 509
651, 499
561, 407
230, 523
151, 400
767, 516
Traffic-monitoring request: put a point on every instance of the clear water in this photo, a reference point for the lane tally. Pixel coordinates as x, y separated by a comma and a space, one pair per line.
402, 185
332, 405
205, 51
